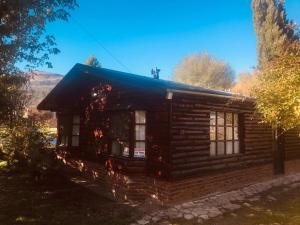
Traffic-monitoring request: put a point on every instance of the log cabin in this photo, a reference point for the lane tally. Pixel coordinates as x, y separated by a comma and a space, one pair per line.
148, 138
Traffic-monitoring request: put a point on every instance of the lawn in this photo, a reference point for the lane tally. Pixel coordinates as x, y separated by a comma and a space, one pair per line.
279, 206
55, 201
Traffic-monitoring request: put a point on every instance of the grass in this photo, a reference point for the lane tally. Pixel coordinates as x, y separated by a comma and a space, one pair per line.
284, 211
56, 201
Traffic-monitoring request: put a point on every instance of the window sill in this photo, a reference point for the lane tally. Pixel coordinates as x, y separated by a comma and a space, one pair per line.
225, 156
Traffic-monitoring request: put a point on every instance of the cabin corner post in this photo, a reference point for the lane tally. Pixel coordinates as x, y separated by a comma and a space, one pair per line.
169, 99
278, 150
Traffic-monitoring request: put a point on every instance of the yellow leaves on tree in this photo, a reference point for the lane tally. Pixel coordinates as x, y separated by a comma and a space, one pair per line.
277, 90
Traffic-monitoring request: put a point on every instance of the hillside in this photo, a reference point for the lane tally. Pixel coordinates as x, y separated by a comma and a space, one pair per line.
41, 84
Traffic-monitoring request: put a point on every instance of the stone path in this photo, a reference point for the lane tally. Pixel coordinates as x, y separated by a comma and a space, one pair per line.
216, 204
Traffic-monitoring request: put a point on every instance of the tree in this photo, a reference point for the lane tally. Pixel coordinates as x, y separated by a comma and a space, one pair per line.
245, 83
204, 70
92, 61
23, 40
277, 95
274, 31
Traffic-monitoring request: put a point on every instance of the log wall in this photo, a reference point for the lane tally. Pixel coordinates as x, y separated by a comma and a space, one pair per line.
190, 141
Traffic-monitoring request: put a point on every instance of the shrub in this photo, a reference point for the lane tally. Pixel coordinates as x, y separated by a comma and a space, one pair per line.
27, 144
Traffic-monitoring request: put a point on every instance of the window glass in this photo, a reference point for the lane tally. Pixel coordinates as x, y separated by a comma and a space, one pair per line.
226, 140
75, 130
140, 117
228, 119
64, 130
220, 118
126, 151
140, 132
228, 133
220, 133
229, 147
220, 148
236, 147
236, 119
212, 148
212, 133
75, 141
212, 118
236, 134
64, 140
120, 130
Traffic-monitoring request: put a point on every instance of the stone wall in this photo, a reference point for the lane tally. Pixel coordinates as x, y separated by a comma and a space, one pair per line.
140, 188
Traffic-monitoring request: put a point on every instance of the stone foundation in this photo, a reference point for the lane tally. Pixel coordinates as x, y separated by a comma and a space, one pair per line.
138, 188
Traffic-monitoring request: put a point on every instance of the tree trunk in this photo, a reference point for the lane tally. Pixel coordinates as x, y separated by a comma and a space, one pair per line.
278, 150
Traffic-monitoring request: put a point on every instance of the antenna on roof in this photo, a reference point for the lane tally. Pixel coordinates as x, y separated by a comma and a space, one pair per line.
155, 73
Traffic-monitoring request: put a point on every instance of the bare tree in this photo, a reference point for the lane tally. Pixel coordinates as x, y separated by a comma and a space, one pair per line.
204, 70
244, 83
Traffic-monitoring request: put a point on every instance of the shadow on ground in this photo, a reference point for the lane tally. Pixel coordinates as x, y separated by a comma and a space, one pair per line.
56, 201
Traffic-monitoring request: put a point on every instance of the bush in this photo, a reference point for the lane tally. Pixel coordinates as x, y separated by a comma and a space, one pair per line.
27, 144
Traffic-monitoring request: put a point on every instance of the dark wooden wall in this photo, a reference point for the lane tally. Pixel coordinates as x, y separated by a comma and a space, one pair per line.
189, 151
177, 131
122, 97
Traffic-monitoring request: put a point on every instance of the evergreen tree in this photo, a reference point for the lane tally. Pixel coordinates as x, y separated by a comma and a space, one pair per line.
274, 31
92, 61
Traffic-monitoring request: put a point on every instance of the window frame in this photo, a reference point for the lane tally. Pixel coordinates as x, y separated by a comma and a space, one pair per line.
235, 125
132, 135
112, 139
135, 141
64, 130
72, 130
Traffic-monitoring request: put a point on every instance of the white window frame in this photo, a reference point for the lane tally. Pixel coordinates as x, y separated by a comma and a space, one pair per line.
230, 139
140, 124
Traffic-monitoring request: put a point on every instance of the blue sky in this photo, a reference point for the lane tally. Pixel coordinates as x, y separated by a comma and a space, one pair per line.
149, 33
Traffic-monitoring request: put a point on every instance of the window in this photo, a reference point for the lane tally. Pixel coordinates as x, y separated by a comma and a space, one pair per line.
64, 131
224, 133
120, 128
75, 130
140, 134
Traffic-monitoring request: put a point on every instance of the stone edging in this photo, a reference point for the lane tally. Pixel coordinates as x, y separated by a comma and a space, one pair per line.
216, 204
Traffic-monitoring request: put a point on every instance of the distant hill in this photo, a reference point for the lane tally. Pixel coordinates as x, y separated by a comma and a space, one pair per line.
41, 84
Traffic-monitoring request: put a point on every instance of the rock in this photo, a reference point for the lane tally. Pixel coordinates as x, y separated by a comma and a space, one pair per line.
188, 216
246, 204
156, 219
204, 217
231, 206
214, 213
